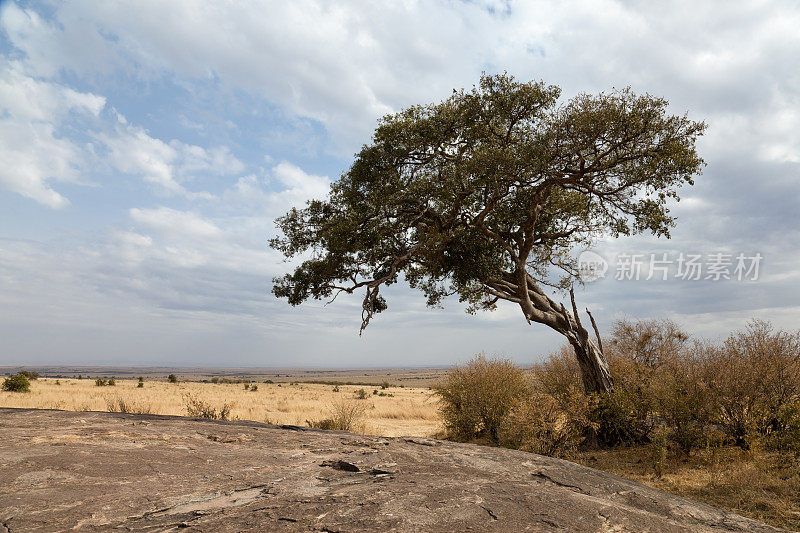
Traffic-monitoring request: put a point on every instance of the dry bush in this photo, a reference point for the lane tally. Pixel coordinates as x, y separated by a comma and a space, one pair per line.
344, 415
540, 424
474, 399
752, 377
120, 405
200, 409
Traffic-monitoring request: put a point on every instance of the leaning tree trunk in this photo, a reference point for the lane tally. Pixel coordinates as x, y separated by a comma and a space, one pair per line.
591, 360
538, 307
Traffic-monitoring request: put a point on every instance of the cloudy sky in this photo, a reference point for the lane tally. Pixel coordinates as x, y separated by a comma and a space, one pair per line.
146, 148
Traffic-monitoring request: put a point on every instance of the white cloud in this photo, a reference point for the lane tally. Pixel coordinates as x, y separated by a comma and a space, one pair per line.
176, 223
32, 153
167, 165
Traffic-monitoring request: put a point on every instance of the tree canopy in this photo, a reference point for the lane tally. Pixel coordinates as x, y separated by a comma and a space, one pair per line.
485, 194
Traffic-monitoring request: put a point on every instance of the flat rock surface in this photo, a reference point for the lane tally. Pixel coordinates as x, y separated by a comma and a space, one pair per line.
91, 471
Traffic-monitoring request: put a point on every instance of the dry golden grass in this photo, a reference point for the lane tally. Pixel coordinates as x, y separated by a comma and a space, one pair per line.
411, 411
757, 483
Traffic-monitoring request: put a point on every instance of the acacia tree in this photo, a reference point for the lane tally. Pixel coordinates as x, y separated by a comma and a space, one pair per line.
484, 196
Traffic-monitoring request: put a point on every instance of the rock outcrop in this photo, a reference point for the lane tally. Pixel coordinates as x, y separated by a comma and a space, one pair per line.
97, 471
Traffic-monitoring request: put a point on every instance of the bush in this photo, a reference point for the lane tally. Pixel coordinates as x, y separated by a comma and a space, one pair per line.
17, 383
474, 399
752, 377
361, 394
119, 405
100, 382
111, 382
540, 424
32, 376
253, 388
344, 415
197, 408
172, 378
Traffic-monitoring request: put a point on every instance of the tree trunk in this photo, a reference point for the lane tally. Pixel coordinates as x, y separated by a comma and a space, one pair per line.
592, 362
537, 306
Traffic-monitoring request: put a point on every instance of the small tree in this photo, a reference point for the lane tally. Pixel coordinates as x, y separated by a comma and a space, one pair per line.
485, 194
17, 383
172, 378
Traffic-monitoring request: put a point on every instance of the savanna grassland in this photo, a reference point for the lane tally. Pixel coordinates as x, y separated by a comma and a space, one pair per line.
392, 411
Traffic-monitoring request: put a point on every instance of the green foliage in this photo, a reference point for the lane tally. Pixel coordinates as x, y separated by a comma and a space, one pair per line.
172, 378
361, 394
455, 197
111, 382
475, 399
17, 383
32, 376
100, 382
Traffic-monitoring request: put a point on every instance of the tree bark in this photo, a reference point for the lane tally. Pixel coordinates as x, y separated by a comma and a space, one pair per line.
591, 360
538, 307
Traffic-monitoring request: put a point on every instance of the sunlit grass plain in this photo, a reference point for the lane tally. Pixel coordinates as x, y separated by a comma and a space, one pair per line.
409, 411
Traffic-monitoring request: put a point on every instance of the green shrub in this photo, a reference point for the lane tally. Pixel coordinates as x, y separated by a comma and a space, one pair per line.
111, 382
32, 376
361, 394
474, 399
172, 378
100, 382
17, 383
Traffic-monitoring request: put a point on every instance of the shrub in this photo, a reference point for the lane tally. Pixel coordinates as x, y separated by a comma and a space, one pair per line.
198, 408
344, 415
253, 388
17, 383
111, 382
140, 384
474, 399
540, 424
335, 388
172, 378
361, 394
658, 451
385, 385
100, 382
681, 399
119, 405
752, 377
246, 386
32, 376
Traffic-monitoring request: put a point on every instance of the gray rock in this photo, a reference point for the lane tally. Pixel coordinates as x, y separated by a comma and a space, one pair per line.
97, 471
